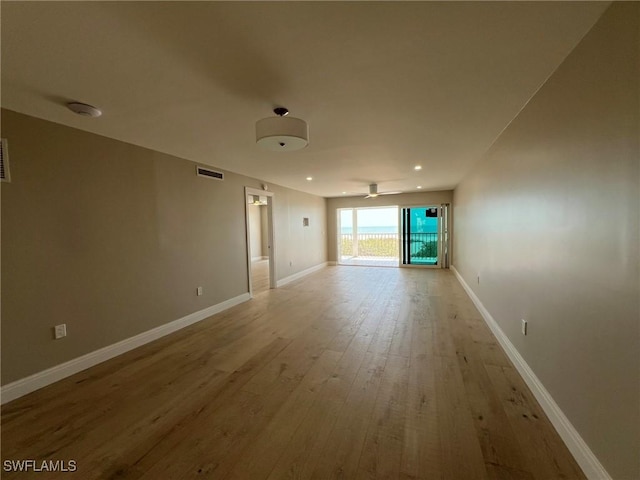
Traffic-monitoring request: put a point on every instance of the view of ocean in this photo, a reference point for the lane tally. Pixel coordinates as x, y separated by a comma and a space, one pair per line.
382, 229
427, 225
373, 221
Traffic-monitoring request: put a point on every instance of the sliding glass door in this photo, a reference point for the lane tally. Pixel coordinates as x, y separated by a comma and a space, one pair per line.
368, 236
424, 236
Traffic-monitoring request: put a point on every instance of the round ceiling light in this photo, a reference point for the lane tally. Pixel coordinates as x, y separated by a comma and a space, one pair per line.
282, 133
84, 109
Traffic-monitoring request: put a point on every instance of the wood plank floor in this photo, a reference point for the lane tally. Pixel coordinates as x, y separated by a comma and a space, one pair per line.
350, 373
259, 276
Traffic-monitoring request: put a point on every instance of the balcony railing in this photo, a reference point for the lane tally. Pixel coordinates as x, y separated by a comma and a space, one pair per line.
369, 245
421, 245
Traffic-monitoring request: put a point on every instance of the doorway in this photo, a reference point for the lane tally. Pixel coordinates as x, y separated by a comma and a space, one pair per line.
424, 236
260, 244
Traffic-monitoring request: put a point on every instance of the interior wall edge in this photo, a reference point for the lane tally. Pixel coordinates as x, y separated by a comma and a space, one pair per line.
51, 375
296, 276
587, 460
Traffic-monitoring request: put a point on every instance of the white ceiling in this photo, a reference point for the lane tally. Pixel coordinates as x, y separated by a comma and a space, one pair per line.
383, 85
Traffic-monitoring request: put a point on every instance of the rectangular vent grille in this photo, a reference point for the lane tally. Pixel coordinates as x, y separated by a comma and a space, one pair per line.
205, 172
5, 176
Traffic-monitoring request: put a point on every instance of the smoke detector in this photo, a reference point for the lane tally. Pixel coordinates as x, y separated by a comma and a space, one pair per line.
84, 109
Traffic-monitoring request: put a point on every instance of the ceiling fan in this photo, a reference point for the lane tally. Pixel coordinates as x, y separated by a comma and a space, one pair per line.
373, 191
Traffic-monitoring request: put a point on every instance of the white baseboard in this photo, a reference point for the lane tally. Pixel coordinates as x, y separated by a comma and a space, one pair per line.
301, 274
38, 380
589, 463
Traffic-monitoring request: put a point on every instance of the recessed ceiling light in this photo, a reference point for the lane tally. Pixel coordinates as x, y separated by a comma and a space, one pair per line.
344, 193
419, 187
309, 179
418, 167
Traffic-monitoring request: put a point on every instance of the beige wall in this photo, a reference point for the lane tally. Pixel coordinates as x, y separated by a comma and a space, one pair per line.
549, 221
298, 247
402, 200
113, 239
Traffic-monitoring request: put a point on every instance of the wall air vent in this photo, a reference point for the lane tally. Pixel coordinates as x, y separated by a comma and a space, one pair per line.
208, 173
5, 176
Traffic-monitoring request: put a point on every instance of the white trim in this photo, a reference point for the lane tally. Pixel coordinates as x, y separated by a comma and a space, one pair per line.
589, 463
38, 380
271, 239
301, 274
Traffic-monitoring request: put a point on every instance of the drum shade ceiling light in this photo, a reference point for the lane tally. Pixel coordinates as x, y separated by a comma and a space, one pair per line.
282, 133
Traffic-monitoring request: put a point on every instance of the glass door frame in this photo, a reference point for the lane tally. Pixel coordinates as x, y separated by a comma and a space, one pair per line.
442, 235
389, 260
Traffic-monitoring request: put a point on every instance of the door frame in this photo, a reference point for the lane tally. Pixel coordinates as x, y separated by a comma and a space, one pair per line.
444, 229
354, 229
271, 239
438, 235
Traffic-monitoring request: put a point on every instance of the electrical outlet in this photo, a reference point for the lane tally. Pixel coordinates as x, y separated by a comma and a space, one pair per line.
199, 291
60, 331
524, 326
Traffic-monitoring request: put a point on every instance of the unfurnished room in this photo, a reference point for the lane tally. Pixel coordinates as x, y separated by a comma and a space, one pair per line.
320, 240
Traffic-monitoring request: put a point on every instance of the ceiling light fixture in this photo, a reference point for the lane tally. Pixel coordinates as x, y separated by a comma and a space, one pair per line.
256, 200
282, 133
309, 179
419, 186
84, 109
417, 167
